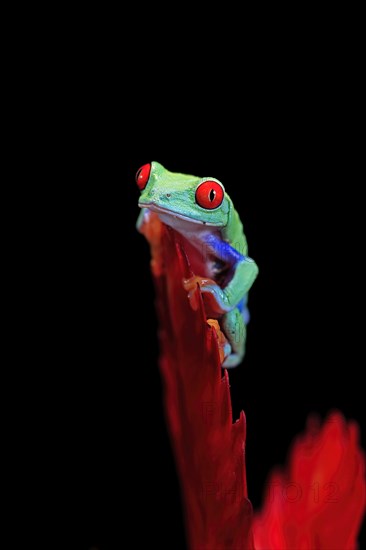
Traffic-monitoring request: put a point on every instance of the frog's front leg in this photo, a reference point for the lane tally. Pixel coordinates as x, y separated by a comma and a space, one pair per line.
244, 271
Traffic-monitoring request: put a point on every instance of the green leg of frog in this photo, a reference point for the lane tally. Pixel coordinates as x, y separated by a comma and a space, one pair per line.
234, 328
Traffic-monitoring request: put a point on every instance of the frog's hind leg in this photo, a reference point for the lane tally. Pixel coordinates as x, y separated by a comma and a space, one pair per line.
234, 328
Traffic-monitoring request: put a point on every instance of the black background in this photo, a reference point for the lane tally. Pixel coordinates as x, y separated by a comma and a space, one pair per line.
286, 150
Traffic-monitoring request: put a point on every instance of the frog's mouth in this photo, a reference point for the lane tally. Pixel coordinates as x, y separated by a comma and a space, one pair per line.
166, 213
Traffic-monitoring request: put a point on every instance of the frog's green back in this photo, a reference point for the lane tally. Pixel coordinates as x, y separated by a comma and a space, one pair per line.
233, 233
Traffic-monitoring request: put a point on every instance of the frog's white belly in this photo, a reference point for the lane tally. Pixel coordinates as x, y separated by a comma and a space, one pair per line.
196, 232
188, 227
196, 236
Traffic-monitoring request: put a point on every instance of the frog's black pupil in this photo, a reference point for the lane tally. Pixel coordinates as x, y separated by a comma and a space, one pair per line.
212, 195
138, 174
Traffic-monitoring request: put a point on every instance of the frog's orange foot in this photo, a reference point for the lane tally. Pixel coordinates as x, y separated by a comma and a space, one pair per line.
224, 346
151, 227
192, 282
211, 294
191, 285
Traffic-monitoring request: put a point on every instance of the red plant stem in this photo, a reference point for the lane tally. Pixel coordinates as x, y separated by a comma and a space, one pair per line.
208, 446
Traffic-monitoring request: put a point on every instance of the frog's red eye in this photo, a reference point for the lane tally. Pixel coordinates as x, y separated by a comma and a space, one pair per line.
209, 195
142, 176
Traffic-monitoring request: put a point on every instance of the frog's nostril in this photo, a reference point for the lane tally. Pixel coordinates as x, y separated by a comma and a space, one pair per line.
168, 195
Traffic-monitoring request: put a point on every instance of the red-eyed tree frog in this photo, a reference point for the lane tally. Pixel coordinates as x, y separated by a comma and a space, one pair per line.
201, 211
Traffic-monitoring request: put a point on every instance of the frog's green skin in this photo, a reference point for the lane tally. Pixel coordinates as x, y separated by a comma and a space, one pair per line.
219, 248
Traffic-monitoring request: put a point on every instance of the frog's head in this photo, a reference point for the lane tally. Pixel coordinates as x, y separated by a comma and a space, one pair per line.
177, 197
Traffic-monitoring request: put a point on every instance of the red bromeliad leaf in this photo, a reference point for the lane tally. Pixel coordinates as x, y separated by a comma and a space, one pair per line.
319, 500
208, 447
316, 503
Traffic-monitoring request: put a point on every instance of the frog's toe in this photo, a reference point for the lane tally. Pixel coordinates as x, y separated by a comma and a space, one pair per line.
227, 351
233, 360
